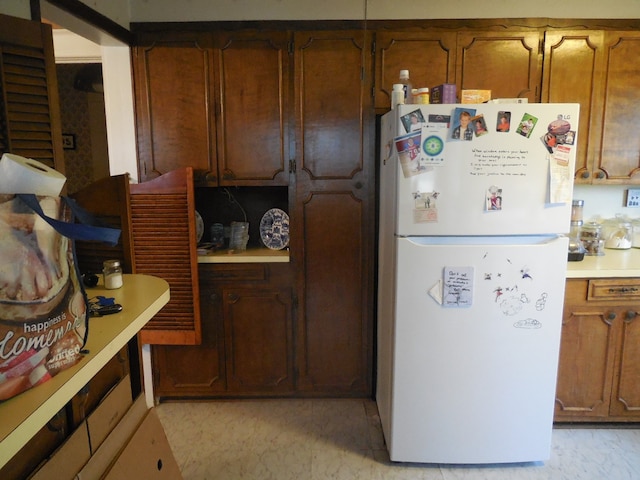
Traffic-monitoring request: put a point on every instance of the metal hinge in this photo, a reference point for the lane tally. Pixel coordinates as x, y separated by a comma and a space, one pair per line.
292, 165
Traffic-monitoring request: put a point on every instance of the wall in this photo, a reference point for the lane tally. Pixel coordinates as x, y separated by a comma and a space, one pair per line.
165, 10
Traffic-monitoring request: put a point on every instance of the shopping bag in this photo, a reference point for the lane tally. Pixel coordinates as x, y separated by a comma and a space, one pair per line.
43, 305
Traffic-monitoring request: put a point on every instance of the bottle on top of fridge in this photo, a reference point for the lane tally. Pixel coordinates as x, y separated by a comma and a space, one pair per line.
397, 95
407, 86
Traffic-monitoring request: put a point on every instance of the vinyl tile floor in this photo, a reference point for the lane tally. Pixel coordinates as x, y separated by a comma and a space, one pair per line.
317, 439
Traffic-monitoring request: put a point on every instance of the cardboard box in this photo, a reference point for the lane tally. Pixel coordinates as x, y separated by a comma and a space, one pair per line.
109, 412
68, 459
445, 93
475, 96
147, 455
111, 447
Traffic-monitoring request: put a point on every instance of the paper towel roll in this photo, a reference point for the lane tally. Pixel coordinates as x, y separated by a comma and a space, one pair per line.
25, 175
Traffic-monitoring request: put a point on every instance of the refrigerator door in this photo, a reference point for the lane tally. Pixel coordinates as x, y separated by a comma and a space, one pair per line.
475, 349
511, 182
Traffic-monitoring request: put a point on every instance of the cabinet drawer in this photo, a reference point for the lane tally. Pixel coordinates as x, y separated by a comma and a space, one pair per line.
614, 289
244, 272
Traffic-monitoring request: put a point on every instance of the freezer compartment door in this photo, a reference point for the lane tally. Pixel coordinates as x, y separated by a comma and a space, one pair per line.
477, 332
497, 183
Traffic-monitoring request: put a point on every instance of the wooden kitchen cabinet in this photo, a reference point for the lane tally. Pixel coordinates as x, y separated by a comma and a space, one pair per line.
217, 102
401, 50
175, 120
252, 118
247, 346
507, 63
334, 212
599, 371
593, 68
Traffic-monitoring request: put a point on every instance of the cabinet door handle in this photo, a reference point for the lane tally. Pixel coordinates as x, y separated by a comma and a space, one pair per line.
630, 316
623, 290
585, 174
233, 297
213, 298
228, 175
611, 316
600, 175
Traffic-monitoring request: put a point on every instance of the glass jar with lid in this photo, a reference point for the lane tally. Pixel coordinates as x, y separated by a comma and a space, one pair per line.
112, 272
617, 233
590, 236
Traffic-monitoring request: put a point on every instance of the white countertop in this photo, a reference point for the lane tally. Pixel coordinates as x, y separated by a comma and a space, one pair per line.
22, 416
614, 263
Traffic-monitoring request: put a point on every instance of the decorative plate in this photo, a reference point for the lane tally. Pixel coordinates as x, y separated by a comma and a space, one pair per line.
199, 227
274, 229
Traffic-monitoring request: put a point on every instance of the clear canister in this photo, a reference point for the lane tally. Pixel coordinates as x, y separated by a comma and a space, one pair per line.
112, 272
577, 207
617, 233
590, 236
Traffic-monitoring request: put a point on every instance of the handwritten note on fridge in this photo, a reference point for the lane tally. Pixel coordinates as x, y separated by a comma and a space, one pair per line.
458, 287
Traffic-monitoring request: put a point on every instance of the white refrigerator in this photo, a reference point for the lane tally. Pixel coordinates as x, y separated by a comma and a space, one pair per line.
472, 261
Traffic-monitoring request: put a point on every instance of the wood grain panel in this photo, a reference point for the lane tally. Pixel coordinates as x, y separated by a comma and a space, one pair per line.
397, 51
333, 323
331, 94
253, 123
175, 119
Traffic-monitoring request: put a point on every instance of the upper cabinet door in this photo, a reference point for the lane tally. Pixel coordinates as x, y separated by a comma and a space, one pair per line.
429, 57
573, 73
254, 96
333, 103
507, 63
618, 161
175, 121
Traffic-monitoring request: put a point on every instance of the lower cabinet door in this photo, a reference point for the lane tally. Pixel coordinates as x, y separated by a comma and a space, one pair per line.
193, 370
587, 353
625, 399
258, 340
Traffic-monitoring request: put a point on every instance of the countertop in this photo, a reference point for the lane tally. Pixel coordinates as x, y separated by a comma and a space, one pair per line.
251, 255
614, 263
22, 416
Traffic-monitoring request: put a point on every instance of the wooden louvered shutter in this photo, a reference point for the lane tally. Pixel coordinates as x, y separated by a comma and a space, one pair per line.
164, 243
109, 199
29, 100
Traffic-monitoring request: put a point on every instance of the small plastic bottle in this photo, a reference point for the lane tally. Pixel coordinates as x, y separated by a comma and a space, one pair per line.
407, 86
423, 96
397, 95
112, 272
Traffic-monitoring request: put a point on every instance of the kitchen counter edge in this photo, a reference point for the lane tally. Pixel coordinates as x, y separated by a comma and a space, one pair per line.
614, 263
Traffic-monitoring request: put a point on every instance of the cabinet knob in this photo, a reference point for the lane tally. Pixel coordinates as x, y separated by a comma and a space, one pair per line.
233, 297
358, 185
213, 298
630, 316
600, 175
611, 316
228, 175
585, 174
